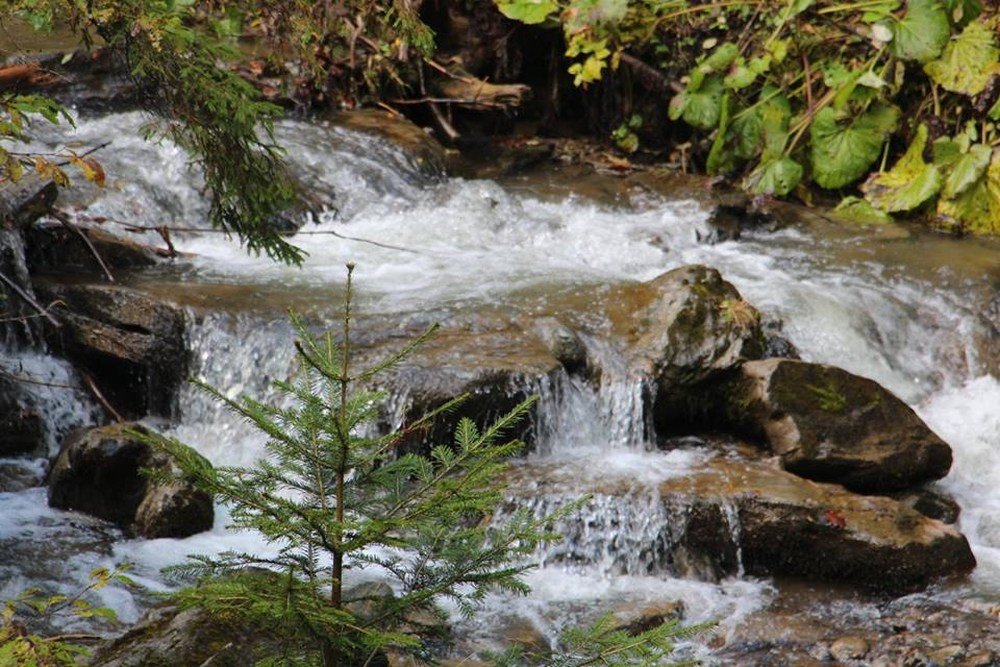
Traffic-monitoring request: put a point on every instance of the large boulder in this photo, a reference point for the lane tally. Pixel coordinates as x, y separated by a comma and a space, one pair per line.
99, 472
167, 636
688, 326
830, 425
494, 365
131, 343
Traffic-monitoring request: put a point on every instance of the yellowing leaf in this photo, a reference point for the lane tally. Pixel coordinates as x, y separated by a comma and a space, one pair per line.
856, 209
977, 209
968, 62
967, 169
908, 184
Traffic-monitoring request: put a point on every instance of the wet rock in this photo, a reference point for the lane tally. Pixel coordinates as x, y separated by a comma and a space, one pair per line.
916, 629
20, 204
494, 369
525, 634
788, 525
689, 325
130, 343
564, 344
652, 616
829, 425
52, 248
932, 503
21, 428
173, 510
98, 472
777, 345
19, 474
167, 636
849, 648
426, 153
746, 515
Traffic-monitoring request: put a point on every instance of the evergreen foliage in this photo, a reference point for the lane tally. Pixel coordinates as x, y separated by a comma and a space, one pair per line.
205, 107
331, 497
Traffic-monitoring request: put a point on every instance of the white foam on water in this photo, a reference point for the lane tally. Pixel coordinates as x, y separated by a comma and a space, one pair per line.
968, 417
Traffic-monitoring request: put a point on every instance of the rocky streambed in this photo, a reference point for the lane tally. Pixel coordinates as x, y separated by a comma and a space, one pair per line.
786, 426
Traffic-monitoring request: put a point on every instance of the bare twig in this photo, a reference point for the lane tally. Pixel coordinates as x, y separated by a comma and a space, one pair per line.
446, 127
444, 70
65, 221
28, 299
41, 383
89, 381
450, 100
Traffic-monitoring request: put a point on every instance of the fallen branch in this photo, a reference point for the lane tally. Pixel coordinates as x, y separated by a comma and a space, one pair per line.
649, 77
100, 397
27, 298
68, 224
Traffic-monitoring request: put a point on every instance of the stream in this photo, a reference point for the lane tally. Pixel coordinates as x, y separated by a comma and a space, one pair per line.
907, 309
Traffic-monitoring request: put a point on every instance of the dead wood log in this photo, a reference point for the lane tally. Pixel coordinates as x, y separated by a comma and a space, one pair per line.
460, 88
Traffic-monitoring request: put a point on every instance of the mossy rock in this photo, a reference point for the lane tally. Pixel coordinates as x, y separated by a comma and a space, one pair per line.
830, 425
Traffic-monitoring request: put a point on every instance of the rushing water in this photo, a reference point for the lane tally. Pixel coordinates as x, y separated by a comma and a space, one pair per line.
459, 245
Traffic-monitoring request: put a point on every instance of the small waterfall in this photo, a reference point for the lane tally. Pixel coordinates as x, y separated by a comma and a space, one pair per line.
634, 533
731, 514
608, 412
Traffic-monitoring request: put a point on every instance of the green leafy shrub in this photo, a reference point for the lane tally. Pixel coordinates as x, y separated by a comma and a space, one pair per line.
792, 92
21, 646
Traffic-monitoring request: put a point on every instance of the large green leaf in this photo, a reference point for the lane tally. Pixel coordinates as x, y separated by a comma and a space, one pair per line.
977, 209
722, 57
528, 11
774, 177
968, 62
765, 123
843, 149
699, 108
967, 169
922, 33
908, 184
860, 210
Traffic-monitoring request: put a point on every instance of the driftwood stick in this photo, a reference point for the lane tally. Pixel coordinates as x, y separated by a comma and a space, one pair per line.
28, 299
68, 224
89, 381
446, 127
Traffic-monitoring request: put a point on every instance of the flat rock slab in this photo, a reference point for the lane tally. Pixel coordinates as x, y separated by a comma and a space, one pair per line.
789, 525
725, 514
